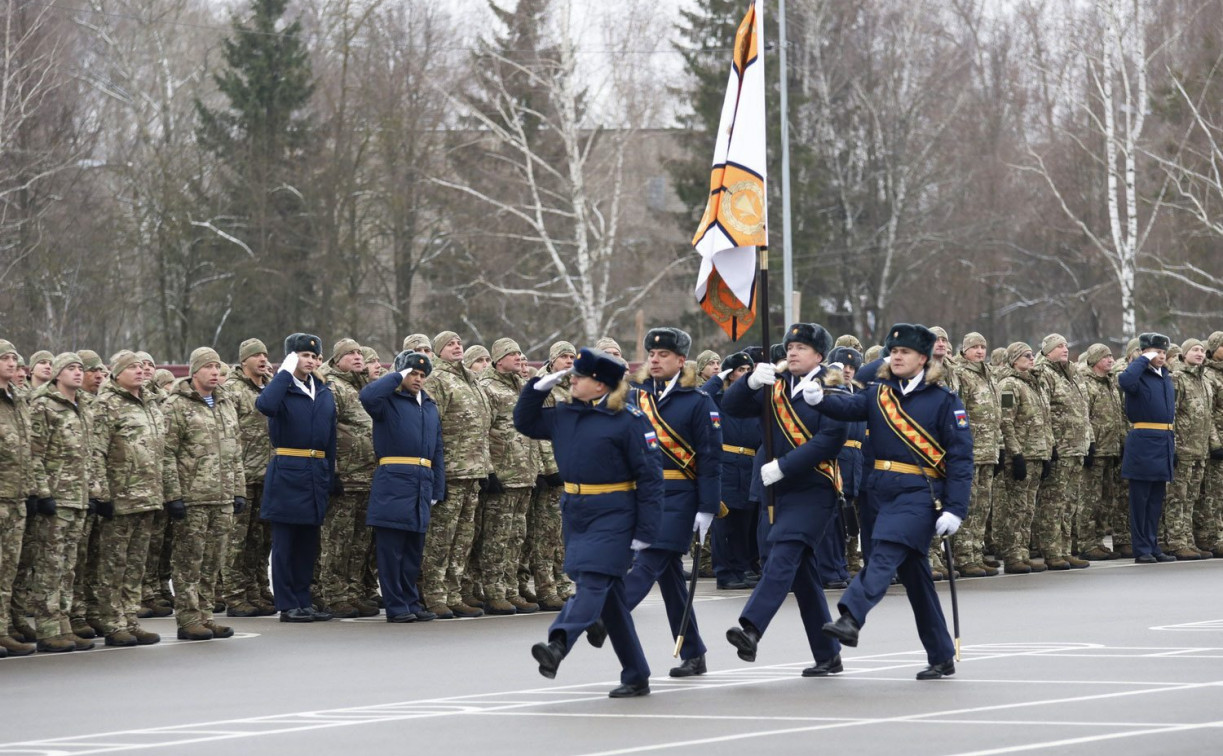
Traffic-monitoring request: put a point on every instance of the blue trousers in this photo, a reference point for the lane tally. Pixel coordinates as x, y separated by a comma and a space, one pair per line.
912, 568
667, 569
294, 550
602, 597
830, 556
791, 565
1146, 507
399, 553
868, 512
731, 548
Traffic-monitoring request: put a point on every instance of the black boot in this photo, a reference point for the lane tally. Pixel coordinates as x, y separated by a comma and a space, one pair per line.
823, 669
597, 633
631, 690
745, 639
936, 671
549, 656
845, 629
690, 667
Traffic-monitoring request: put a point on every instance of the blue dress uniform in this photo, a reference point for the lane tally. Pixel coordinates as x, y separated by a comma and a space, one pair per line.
690, 414
868, 510
805, 504
830, 556
905, 524
299, 477
411, 476
613, 494
1150, 405
732, 533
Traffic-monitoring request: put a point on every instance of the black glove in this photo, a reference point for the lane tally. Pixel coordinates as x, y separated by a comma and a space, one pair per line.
176, 509
556, 481
47, 506
541, 481
1090, 459
104, 509
1054, 457
1046, 466
849, 513
1000, 463
493, 486
31, 505
91, 506
1176, 459
239, 504
337, 486
1019, 467
1216, 453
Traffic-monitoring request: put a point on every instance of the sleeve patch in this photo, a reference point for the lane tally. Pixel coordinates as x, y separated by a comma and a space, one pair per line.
961, 418
716, 417
651, 439
1008, 400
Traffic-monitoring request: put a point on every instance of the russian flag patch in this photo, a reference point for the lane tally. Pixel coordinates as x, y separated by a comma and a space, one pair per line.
651, 440
716, 417
961, 418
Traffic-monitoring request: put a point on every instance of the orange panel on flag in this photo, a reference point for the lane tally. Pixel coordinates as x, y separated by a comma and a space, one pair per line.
727, 311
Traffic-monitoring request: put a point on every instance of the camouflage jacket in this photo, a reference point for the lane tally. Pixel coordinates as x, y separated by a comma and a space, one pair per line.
1069, 407
947, 377
16, 475
127, 446
1108, 423
1214, 374
252, 426
467, 418
1026, 428
559, 393
59, 447
203, 459
981, 398
516, 459
1194, 427
355, 460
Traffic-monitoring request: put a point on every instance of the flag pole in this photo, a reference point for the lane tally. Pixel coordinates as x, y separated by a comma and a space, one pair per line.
766, 407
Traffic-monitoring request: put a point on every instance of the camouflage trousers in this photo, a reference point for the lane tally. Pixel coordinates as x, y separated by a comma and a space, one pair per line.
55, 539
22, 602
706, 565
157, 564
331, 573
448, 542
200, 540
471, 585
969, 541
1013, 512
122, 548
362, 562
502, 536
543, 556
1184, 495
1211, 534
244, 571
84, 598
1057, 508
12, 534
1106, 506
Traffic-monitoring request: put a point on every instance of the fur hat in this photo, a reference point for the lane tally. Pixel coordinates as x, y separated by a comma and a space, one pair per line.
301, 342
1015, 351
250, 348
601, 366
671, 339
813, 335
122, 361
503, 348
755, 352
706, 358
1051, 342
847, 356
416, 341
413, 360
473, 353
777, 353
737, 360
1095, 353
1153, 341
916, 337
205, 355
972, 339
442, 339
343, 347
561, 348
848, 340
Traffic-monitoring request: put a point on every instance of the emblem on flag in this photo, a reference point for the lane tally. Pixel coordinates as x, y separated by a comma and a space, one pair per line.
961, 418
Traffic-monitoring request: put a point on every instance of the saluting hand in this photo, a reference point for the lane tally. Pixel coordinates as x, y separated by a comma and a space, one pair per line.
290, 363
551, 379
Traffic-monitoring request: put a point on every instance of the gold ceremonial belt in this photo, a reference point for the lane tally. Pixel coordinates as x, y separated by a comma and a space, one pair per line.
1153, 426
739, 450
311, 453
675, 475
901, 467
587, 489
406, 461
854, 444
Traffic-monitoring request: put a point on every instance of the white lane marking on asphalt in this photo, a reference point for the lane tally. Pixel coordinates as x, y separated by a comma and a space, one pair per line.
1158, 730
1208, 625
760, 718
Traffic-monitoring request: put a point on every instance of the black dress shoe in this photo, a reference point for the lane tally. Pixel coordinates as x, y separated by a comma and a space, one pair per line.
936, 671
733, 585
549, 656
836, 585
690, 667
845, 629
296, 615
597, 633
631, 690
319, 615
1145, 559
402, 619
1164, 558
745, 640
825, 668
424, 615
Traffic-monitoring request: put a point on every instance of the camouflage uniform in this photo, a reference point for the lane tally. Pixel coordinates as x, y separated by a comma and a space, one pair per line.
156, 586
344, 538
517, 462
546, 557
1210, 537
1195, 437
84, 596
944, 376
982, 401
1026, 430
466, 420
202, 467
127, 447
245, 570
1061, 495
1103, 490
16, 483
59, 447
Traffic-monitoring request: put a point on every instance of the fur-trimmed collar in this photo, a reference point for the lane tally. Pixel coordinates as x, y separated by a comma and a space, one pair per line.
687, 377
933, 372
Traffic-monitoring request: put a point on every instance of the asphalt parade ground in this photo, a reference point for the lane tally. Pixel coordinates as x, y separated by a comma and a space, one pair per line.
1116, 659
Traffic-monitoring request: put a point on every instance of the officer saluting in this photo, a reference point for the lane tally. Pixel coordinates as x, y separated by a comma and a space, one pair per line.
608, 455
923, 448
301, 473
1150, 405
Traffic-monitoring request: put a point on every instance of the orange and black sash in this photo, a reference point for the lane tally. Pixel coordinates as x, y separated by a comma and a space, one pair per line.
915, 437
679, 451
797, 433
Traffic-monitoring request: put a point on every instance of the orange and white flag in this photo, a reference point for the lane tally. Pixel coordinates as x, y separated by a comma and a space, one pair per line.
736, 217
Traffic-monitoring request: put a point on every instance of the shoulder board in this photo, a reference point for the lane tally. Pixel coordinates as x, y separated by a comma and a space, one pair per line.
634, 410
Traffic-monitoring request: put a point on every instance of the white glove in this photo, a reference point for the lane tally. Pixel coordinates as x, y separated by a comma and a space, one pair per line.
290, 363
1150, 354
813, 391
551, 379
770, 472
725, 374
433, 502
947, 524
638, 545
763, 375
701, 524
404, 373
